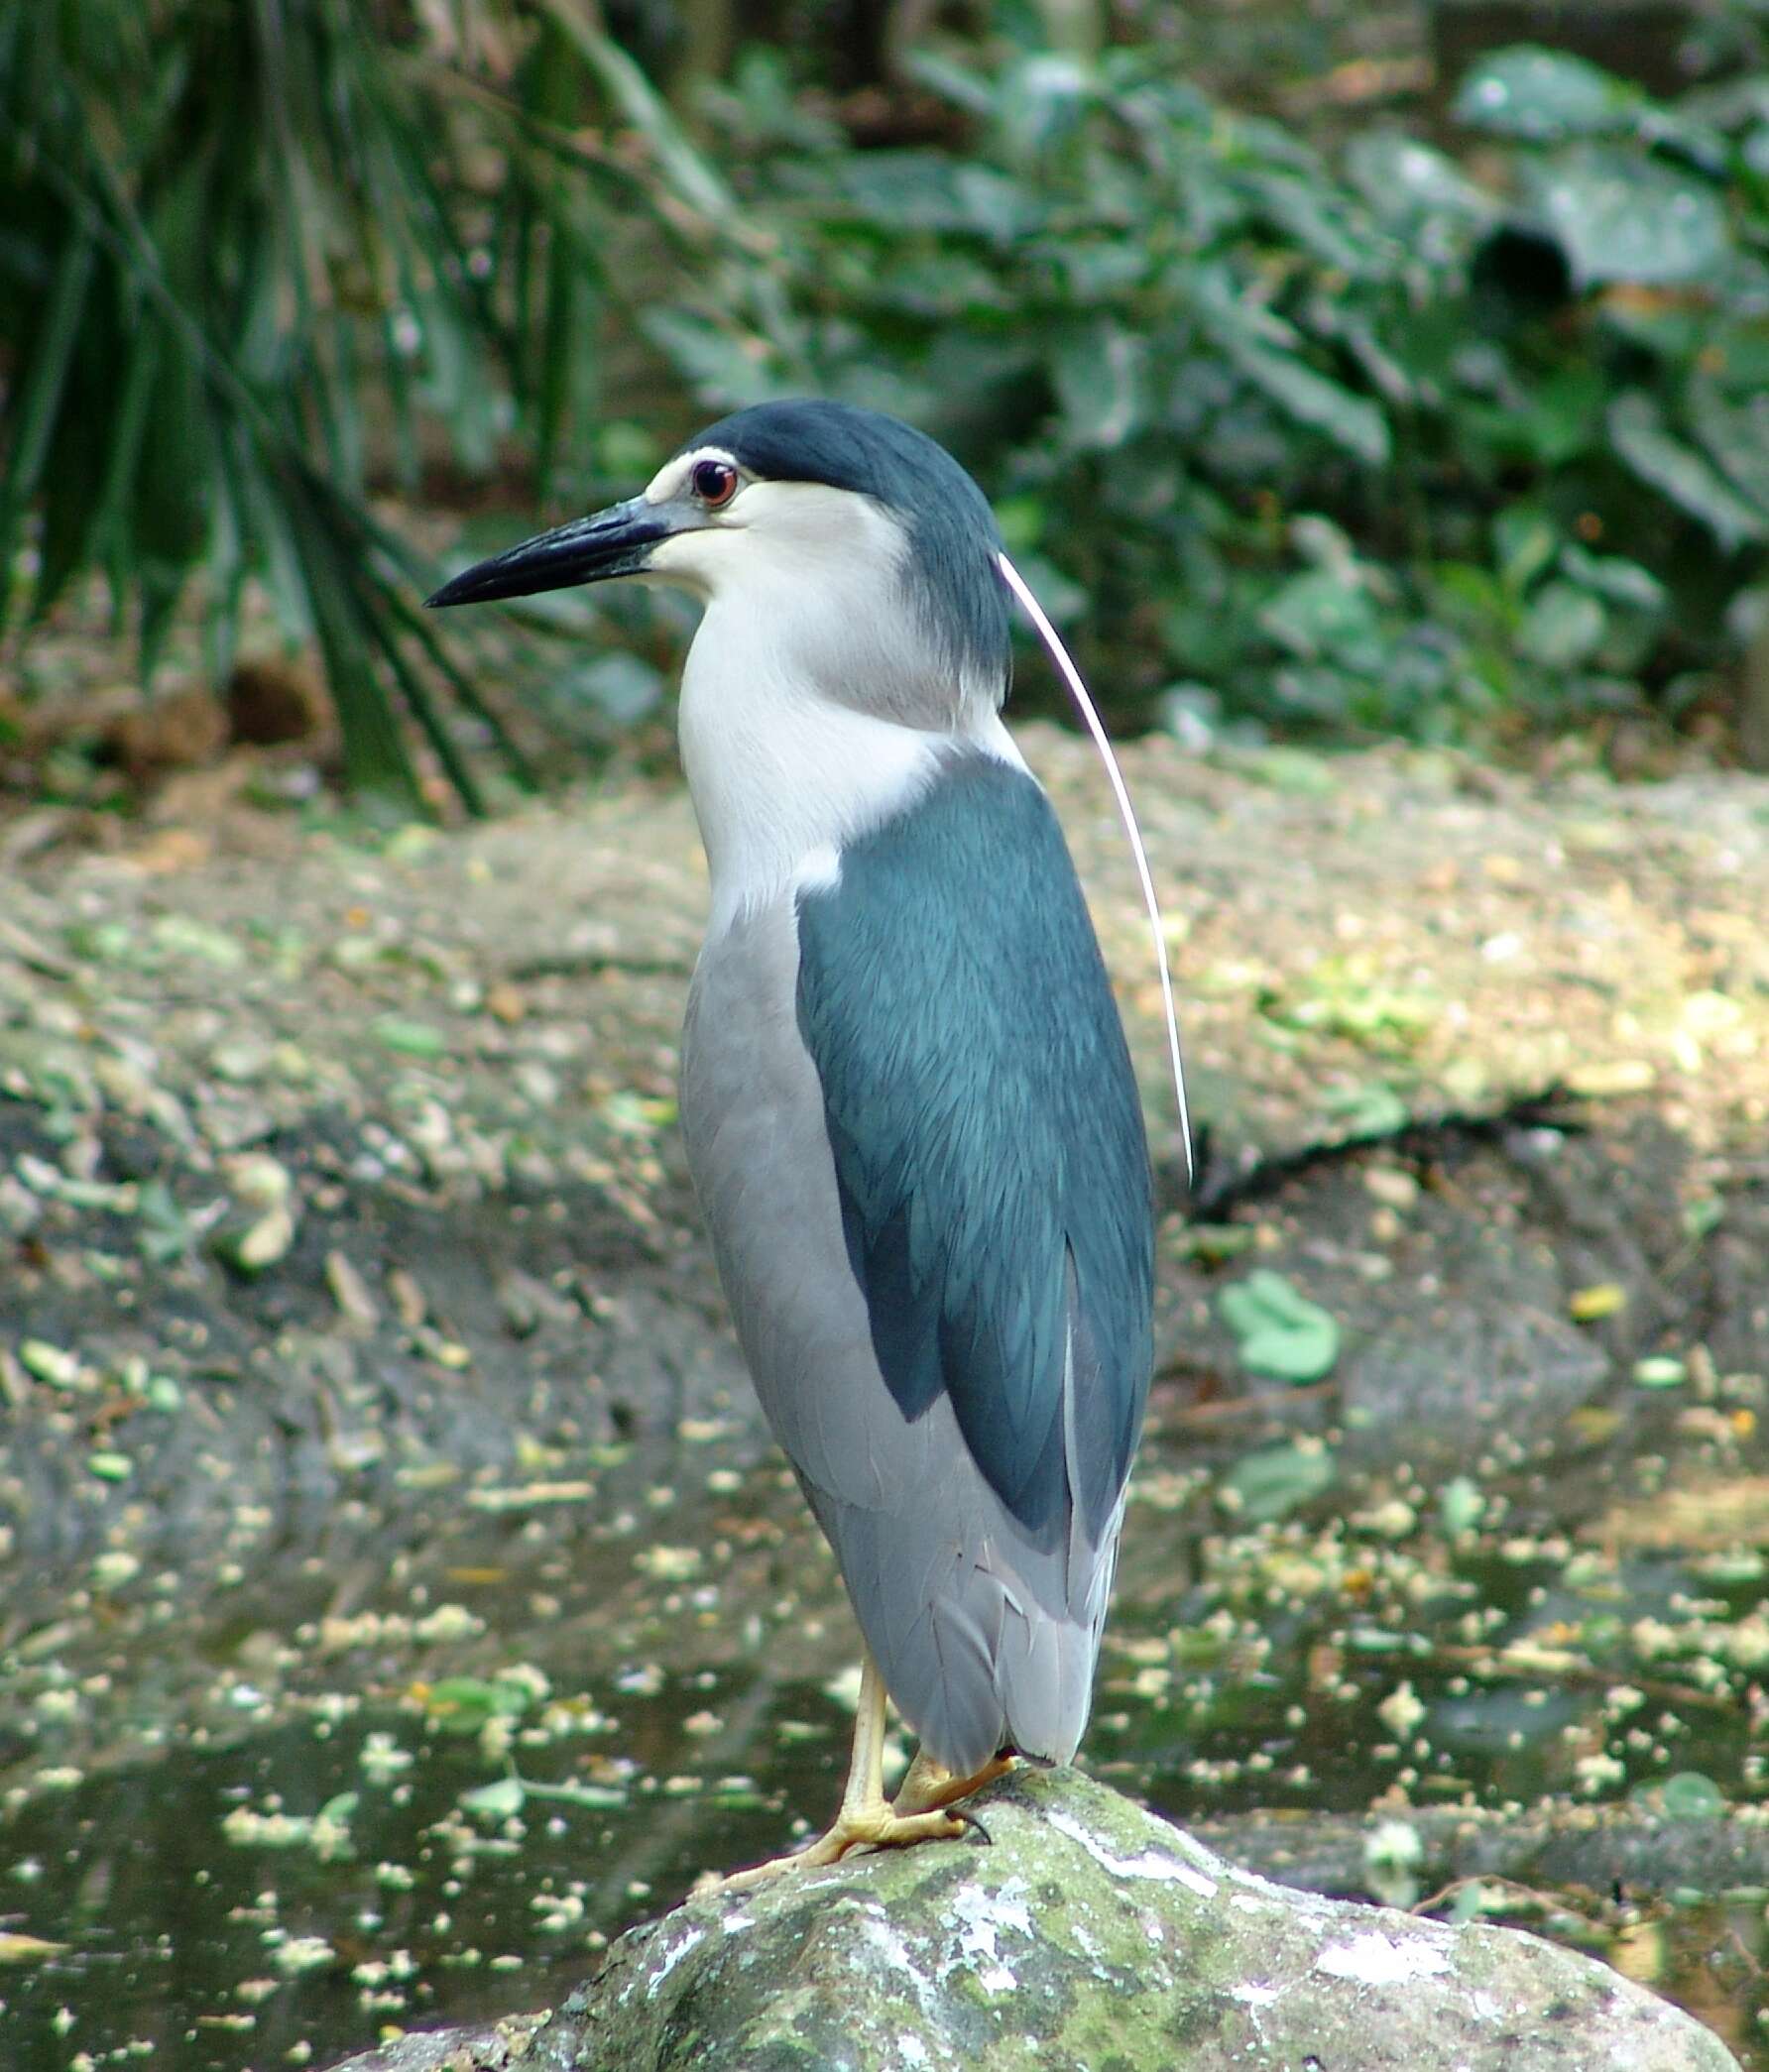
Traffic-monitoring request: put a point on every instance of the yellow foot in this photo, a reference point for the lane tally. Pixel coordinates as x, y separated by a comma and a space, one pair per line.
928, 1785
867, 1821
865, 1827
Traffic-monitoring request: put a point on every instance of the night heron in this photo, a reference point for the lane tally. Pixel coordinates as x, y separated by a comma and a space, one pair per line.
907, 1103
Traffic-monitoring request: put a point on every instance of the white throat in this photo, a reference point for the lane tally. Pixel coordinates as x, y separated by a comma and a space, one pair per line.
805, 647
782, 780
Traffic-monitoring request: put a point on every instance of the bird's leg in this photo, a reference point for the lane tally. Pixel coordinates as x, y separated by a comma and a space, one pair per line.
928, 1785
867, 1816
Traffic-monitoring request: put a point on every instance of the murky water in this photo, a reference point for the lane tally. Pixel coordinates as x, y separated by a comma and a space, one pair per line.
407, 1788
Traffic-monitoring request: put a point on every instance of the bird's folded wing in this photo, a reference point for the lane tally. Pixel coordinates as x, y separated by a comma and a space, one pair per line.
987, 1137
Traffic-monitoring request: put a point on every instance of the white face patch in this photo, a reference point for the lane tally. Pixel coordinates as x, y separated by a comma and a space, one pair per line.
671, 478
806, 584
806, 588
798, 554
803, 605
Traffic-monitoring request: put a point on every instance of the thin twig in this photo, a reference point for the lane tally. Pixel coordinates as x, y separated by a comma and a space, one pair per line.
1549, 1902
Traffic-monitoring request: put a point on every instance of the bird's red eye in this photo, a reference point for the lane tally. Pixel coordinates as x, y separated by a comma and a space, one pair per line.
714, 482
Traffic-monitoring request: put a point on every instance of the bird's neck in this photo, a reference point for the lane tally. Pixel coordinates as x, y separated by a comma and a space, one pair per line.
786, 770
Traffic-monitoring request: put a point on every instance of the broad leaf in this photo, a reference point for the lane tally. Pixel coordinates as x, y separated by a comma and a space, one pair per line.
1563, 627
1619, 216
1542, 96
1277, 1481
1694, 483
1280, 1331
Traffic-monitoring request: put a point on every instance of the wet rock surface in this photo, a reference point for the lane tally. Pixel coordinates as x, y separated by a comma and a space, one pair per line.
1089, 1934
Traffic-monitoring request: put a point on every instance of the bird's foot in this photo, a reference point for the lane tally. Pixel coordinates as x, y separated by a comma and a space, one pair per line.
878, 1826
920, 1811
928, 1785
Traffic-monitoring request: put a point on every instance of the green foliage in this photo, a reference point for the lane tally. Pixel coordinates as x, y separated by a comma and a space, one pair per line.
260, 260
1274, 1481
1369, 442
1690, 1796
463, 1704
1133, 313
1279, 1330
1173, 340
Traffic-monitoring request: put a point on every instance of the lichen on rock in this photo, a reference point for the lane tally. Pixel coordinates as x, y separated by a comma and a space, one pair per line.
1089, 1934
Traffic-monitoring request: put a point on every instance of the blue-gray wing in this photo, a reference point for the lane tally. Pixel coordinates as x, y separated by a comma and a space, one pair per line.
987, 1139
913, 1126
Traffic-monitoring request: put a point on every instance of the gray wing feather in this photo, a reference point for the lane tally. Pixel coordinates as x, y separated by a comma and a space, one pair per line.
985, 1639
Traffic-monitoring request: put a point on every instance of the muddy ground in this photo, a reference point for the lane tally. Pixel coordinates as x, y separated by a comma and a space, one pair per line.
332, 1167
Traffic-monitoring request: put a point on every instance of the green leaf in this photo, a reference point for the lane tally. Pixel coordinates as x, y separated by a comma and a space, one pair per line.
1303, 773
689, 173
1563, 627
1372, 1109
1280, 1331
500, 1801
721, 367
1660, 1370
465, 1703
1678, 471
1460, 1506
1541, 96
376, 758
1277, 1481
1312, 400
39, 391
202, 312
1402, 179
929, 192
1314, 212
108, 535
1689, 1795
411, 1039
1734, 435
1216, 1243
163, 1231
1619, 216
1612, 577
1324, 612
185, 935
599, 1797
1525, 541
1099, 383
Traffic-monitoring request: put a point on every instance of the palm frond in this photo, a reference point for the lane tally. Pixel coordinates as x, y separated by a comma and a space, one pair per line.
261, 258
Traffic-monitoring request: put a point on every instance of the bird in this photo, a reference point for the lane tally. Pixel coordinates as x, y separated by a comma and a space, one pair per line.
906, 1098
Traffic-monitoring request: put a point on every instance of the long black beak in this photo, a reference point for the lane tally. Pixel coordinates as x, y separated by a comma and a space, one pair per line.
616, 541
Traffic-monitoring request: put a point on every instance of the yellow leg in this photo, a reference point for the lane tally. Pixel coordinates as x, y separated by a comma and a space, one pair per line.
865, 1817
928, 1785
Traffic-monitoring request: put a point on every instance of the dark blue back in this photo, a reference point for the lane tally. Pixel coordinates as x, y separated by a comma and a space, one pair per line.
988, 1135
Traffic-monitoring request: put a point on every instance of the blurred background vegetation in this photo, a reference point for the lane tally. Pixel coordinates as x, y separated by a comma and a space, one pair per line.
1338, 371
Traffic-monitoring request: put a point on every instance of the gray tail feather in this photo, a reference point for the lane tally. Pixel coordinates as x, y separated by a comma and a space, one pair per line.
985, 1638
975, 1655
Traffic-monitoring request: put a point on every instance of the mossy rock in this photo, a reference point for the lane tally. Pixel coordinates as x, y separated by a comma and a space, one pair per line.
1089, 1934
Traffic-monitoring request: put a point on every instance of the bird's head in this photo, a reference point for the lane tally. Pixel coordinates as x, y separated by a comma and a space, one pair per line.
838, 525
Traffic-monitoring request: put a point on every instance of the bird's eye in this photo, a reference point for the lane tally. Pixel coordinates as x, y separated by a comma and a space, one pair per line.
714, 482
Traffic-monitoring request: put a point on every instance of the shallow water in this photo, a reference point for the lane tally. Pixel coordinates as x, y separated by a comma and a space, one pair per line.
425, 1776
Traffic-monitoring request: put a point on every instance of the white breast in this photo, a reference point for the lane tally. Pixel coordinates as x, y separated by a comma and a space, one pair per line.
783, 780
784, 764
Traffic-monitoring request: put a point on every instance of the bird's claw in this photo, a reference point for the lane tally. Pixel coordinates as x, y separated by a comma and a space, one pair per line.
867, 1827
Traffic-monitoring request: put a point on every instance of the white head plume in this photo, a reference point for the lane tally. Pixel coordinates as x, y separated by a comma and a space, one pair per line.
1078, 690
